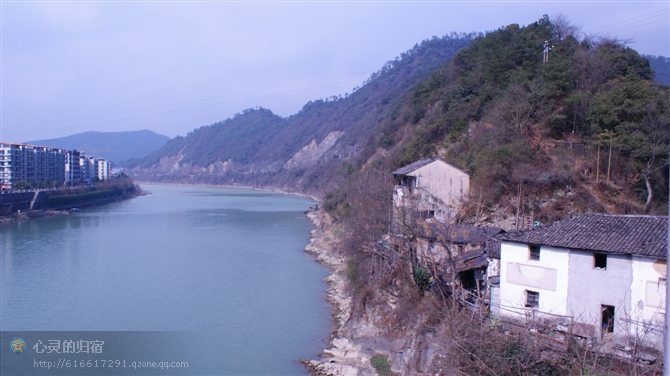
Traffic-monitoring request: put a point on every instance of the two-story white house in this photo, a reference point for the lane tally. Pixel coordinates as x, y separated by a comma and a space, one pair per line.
607, 272
430, 188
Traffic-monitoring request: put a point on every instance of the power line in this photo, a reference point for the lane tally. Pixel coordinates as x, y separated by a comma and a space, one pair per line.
195, 101
189, 109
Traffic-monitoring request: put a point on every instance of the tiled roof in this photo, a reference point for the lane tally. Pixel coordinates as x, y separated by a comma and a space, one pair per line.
623, 234
411, 167
457, 233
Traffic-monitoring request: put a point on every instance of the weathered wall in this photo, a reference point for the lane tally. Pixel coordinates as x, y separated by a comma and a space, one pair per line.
648, 298
548, 276
443, 181
589, 288
12, 202
19, 201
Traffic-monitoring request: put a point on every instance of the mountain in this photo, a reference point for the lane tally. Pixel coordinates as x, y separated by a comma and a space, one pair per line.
584, 130
661, 66
113, 146
303, 151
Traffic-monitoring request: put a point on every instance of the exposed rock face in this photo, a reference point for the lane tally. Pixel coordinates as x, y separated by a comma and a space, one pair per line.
357, 339
174, 168
310, 154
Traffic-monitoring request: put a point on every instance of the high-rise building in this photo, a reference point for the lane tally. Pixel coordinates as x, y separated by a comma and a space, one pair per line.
31, 164
73, 168
102, 169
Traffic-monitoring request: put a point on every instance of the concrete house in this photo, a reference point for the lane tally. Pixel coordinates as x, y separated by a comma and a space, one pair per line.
607, 273
430, 188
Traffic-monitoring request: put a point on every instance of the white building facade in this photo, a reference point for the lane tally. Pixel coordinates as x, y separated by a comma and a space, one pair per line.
431, 187
41, 166
31, 164
606, 272
102, 169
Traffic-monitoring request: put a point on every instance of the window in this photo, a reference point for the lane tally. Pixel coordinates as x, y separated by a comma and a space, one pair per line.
532, 299
599, 261
607, 319
534, 252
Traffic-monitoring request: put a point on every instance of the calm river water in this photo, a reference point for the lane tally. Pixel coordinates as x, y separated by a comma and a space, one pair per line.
226, 263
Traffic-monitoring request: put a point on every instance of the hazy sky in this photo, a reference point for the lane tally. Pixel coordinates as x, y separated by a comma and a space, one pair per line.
172, 66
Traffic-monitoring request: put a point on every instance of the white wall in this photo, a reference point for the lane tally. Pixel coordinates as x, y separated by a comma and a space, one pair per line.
548, 276
443, 181
648, 298
590, 288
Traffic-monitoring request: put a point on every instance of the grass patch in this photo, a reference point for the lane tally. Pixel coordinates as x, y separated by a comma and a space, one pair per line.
381, 365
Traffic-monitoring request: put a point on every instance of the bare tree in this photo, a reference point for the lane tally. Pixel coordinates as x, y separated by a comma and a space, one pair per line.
563, 27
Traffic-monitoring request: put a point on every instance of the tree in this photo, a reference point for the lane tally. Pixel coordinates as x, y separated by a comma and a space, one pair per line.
562, 27
21, 184
648, 143
638, 114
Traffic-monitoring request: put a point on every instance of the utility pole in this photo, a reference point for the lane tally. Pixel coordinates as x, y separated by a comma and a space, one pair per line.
598, 165
545, 52
609, 162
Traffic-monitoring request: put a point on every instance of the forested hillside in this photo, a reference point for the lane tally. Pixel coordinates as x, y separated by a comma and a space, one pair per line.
254, 147
585, 131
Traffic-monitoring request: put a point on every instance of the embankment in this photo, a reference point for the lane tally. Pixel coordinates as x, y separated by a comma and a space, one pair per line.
357, 338
40, 203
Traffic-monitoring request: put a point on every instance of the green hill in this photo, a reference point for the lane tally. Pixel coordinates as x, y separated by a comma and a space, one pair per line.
486, 103
542, 130
254, 146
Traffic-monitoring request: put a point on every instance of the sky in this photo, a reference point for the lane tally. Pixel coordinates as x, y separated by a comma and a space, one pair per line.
68, 67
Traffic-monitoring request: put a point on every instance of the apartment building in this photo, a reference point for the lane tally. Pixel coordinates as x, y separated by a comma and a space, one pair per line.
35, 164
30, 163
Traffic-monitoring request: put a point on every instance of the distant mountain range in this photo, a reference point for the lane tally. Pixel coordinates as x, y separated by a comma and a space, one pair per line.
301, 150
113, 146
486, 103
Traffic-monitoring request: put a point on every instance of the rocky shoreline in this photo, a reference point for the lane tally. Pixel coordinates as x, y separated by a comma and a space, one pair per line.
341, 358
357, 338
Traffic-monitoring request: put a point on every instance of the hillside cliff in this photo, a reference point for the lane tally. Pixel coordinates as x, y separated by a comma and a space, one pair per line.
584, 131
304, 151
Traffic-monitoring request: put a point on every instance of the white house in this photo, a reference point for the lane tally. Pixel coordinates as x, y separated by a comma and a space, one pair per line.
430, 187
606, 272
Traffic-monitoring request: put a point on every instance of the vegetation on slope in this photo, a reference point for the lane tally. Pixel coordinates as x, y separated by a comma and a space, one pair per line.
519, 127
257, 140
516, 123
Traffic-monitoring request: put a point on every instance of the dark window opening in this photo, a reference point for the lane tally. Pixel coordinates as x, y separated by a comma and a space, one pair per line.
534, 252
607, 319
468, 279
532, 299
424, 214
600, 261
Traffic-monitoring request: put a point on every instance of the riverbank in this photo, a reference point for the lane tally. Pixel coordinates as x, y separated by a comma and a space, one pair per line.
23, 215
359, 337
272, 190
342, 357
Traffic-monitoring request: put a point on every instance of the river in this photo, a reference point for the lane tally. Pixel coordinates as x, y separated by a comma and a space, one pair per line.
227, 263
